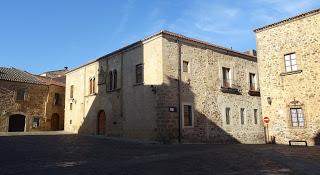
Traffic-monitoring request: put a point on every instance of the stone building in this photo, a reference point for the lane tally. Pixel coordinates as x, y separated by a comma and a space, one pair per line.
289, 60
29, 102
167, 87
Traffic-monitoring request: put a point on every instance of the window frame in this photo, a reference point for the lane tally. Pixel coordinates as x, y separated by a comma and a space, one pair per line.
297, 117
227, 115
255, 117
141, 74
18, 90
226, 83
290, 60
110, 80
34, 121
192, 115
71, 91
242, 116
253, 81
115, 79
56, 99
185, 69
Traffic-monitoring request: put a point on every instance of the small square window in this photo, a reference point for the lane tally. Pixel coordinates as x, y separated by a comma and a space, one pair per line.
35, 122
185, 65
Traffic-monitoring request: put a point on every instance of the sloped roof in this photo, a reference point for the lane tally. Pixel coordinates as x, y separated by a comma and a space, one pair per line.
312, 12
50, 81
13, 74
179, 36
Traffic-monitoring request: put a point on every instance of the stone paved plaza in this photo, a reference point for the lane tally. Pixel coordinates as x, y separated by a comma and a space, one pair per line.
72, 154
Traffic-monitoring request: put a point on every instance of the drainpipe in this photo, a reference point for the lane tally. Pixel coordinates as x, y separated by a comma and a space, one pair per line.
179, 90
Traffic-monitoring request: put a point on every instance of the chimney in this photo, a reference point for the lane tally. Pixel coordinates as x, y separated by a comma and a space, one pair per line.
251, 52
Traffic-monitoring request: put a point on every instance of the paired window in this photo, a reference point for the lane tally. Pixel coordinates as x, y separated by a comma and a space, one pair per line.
187, 115
185, 66
226, 77
227, 116
252, 81
113, 80
291, 62
56, 99
35, 122
255, 116
71, 91
297, 117
139, 73
242, 116
21, 93
92, 85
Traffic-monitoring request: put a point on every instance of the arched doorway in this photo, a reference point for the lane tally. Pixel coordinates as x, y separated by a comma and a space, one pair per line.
17, 123
55, 121
101, 129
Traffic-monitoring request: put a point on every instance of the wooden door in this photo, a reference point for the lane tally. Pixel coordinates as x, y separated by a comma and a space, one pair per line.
101, 123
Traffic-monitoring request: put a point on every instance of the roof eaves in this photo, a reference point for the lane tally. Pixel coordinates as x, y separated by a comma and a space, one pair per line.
300, 16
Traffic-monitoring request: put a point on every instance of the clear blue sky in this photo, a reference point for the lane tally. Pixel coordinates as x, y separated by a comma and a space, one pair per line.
42, 35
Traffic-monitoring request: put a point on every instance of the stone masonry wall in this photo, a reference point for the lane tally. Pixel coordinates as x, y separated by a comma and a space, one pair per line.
201, 88
32, 106
301, 37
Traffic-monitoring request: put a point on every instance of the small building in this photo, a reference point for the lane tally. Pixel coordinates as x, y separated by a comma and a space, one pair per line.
289, 60
29, 102
167, 87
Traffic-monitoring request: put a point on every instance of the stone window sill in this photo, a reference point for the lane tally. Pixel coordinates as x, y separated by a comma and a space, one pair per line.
291, 73
113, 90
254, 93
230, 90
94, 94
138, 84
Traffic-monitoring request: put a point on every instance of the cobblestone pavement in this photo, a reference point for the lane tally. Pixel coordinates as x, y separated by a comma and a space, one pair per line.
72, 154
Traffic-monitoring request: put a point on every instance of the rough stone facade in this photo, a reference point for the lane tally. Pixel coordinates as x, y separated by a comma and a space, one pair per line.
289, 90
37, 103
141, 110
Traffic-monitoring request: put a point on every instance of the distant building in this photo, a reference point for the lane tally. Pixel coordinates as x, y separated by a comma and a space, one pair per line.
164, 86
58, 75
289, 61
29, 102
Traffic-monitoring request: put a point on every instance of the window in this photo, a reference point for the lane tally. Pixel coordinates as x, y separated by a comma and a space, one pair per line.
252, 81
110, 80
115, 80
297, 117
35, 122
228, 116
185, 66
70, 106
92, 85
139, 73
226, 77
255, 116
242, 116
71, 91
56, 99
291, 62
187, 115
21, 94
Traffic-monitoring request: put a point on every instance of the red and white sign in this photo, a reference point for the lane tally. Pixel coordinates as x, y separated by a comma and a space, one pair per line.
266, 120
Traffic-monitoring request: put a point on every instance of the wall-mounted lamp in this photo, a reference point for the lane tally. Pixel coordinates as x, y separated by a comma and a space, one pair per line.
269, 100
3, 112
153, 89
